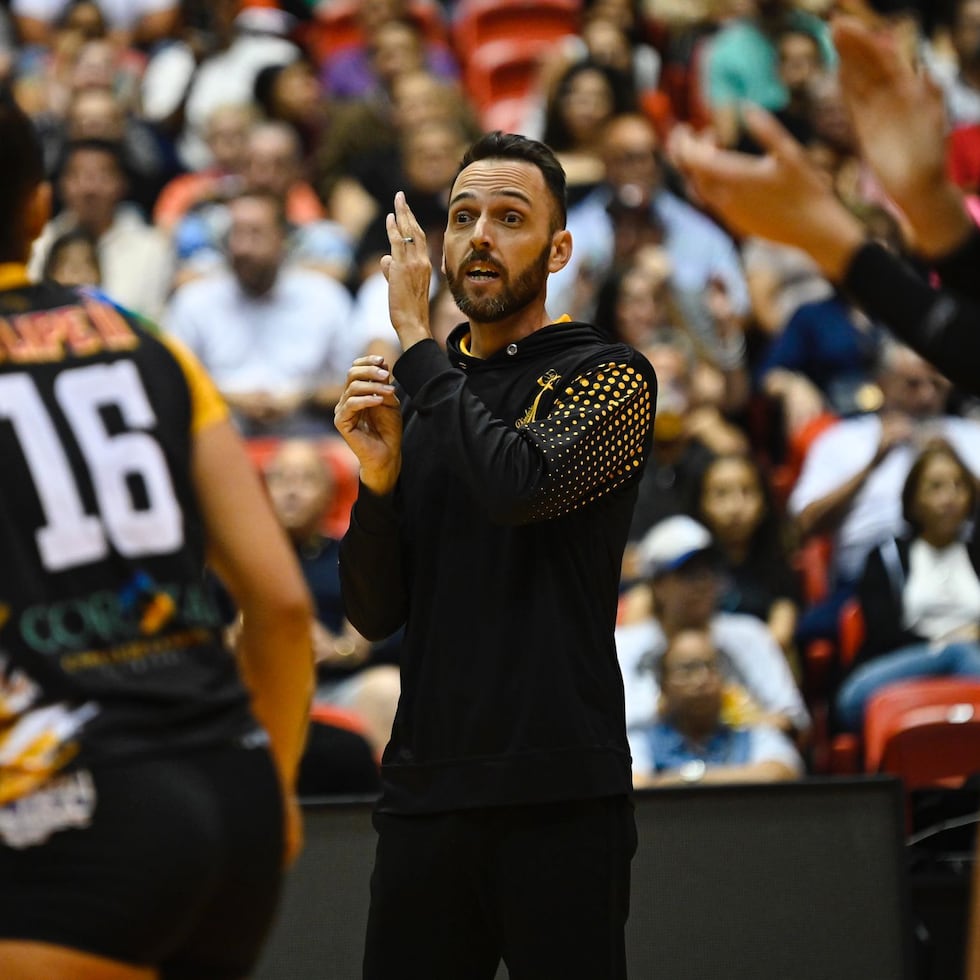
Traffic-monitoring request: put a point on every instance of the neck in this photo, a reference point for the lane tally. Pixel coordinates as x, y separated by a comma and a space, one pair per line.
938, 539
488, 338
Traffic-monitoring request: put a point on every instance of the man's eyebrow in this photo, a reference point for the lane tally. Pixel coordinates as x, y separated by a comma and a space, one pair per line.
469, 195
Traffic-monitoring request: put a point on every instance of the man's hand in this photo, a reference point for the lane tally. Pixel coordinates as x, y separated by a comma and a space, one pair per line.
409, 274
780, 196
368, 417
900, 121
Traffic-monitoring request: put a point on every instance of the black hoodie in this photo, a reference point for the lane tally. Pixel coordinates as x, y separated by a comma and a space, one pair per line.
500, 551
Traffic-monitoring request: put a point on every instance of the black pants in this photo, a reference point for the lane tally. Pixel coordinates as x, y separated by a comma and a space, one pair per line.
178, 867
544, 887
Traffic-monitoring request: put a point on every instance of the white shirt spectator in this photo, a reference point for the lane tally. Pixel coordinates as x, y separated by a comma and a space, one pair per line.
842, 451
293, 339
136, 260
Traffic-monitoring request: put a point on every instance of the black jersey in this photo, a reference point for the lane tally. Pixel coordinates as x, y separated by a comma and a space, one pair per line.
110, 644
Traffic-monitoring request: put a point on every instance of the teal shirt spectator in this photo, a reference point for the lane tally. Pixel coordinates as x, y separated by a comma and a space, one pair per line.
741, 66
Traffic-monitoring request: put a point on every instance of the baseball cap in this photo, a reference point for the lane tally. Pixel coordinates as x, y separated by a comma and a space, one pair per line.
673, 542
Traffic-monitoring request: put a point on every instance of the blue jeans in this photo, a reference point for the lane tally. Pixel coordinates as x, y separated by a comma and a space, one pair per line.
907, 663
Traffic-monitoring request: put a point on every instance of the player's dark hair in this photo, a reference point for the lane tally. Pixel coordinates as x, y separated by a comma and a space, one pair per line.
510, 146
21, 171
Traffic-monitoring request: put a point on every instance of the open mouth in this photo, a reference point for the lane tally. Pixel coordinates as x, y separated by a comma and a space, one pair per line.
481, 273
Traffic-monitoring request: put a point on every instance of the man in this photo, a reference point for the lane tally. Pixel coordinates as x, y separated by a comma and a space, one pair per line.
142, 804
631, 208
276, 338
901, 125
690, 743
495, 499
136, 259
684, 586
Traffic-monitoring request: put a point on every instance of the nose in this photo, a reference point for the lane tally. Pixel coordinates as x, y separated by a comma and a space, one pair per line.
480, 237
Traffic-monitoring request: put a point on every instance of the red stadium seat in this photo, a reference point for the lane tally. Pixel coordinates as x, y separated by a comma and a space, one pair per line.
478, 22
926, 731
502, 71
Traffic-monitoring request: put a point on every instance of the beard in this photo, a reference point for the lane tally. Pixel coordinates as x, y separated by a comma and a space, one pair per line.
513, 296
255, 278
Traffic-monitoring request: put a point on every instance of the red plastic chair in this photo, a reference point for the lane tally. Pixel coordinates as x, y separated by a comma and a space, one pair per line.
926, 731
501, 71
478, 22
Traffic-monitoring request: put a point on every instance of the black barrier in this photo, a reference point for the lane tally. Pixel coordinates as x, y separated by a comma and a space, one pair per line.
793, 881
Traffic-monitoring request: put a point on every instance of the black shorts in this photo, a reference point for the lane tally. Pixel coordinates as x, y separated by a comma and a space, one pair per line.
178, 867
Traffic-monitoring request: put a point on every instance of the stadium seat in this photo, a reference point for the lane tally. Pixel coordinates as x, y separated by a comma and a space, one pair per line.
478, 22
335, 26
926, 731
502, 71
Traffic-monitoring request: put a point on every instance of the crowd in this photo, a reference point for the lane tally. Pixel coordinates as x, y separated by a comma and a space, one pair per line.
224, 169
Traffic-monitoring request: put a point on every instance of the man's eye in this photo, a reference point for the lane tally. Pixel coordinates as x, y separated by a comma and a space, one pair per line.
512, 218
462, 217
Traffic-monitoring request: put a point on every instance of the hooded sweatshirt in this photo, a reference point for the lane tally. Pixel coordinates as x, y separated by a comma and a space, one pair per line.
500, 553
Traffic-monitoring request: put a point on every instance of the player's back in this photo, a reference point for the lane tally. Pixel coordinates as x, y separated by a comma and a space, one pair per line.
109, 638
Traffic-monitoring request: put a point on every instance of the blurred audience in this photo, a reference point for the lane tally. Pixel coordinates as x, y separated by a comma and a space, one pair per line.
136, 259
683, 587
920, 593
352, 672
275, 337
689, 743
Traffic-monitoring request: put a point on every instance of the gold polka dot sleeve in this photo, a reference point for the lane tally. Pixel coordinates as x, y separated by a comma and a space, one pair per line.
593, 440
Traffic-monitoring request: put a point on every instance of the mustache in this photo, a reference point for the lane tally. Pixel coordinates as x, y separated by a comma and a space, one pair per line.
483, 257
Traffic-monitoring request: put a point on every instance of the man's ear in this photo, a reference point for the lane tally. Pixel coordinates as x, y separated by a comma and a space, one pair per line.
561, 250
37, 212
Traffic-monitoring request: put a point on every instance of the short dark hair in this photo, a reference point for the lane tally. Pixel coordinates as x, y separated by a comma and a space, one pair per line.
274, 201
510, 146
21, 172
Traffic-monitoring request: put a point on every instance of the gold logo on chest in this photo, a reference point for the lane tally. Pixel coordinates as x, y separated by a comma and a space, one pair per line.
546, 382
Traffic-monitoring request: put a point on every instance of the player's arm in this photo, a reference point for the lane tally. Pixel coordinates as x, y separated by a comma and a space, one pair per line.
247, 549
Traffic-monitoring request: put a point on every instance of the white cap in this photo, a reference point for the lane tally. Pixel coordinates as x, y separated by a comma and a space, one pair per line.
671, 543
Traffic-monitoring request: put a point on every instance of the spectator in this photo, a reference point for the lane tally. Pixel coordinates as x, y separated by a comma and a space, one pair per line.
185, 84
273, 165
731, 499
800, 58
742, 61
684, 586
393, 45
352, 672
226, 135
700, 252
851, 483
291, 94
920, 593
275, 338
689, 743
73, 260
130, 22
586, 96
685, 437
136, 260
359, 157
97, 112
961, 80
